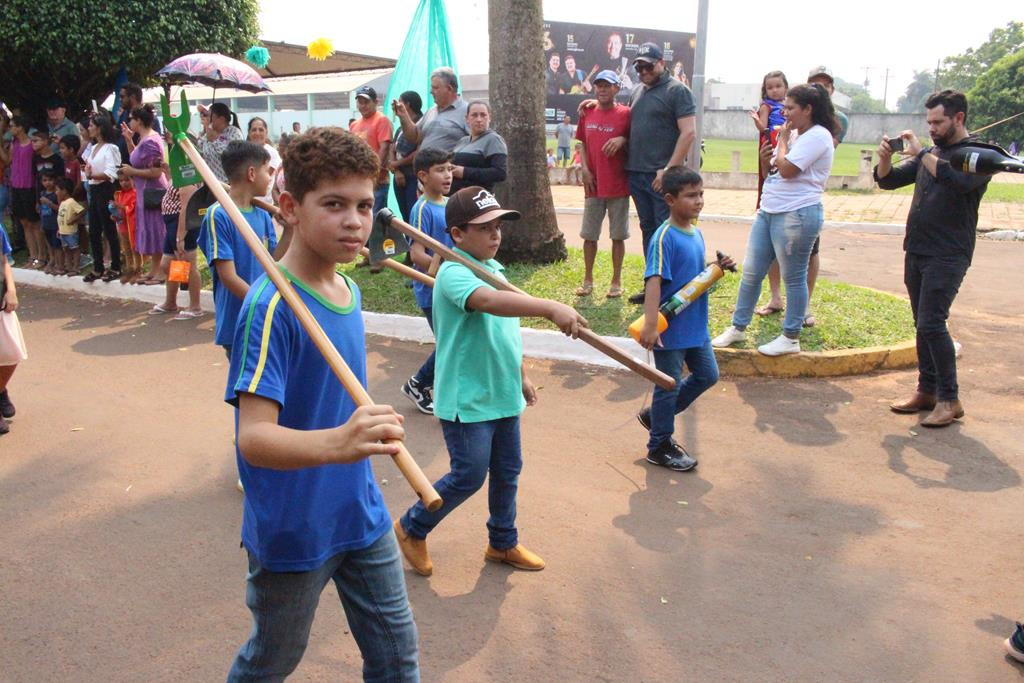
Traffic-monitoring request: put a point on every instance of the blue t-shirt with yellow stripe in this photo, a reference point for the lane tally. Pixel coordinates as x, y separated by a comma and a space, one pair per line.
224, 243
428, 216
294, 520
677, 255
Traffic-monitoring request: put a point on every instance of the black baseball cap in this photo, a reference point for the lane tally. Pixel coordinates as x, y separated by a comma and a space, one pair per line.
474, 205
55, 102
650, 53
366, 91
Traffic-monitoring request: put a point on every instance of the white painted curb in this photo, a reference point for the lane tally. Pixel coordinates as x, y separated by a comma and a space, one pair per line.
546, 344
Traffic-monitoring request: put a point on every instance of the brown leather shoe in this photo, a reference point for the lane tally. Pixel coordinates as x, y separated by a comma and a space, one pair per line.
414, 550
519, 557
916, 403
944, 414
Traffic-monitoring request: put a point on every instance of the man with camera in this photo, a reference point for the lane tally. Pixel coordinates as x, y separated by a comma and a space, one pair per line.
939, 245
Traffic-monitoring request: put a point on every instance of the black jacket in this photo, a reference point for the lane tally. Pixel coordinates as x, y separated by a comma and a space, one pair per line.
944, 213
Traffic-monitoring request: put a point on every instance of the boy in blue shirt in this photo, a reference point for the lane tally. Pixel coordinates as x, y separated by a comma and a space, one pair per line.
481, 384
675, 256
434, 171
313, 512
233, 265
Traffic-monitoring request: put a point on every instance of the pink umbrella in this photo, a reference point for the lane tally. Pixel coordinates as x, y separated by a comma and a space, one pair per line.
215, 70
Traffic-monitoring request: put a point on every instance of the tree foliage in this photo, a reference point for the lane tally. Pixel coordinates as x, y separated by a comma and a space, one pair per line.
74, 49
962, 71
996, 95
861, 101
921, 86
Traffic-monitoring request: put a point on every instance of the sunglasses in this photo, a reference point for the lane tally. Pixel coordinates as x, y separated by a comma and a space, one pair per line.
644, 66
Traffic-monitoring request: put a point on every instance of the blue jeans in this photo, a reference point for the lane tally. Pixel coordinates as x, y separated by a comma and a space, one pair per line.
787, 238
425, 375
406, 195
667, 403
380, 197
371, 585
476, 448
650, 205
563, 154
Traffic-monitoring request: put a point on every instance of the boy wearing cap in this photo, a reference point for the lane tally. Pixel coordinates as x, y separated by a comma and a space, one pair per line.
480, 386
375, 129
605, 185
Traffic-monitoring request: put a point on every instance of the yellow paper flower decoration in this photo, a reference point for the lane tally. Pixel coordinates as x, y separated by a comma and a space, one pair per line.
320, 49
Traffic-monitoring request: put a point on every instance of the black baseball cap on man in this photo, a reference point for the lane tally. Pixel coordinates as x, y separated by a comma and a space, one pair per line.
368, 92
649, 53
475, 205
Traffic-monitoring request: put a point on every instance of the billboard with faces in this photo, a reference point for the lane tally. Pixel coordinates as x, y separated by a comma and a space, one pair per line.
575, 53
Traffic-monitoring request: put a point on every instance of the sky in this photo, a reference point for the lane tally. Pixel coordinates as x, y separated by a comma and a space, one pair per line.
856, 40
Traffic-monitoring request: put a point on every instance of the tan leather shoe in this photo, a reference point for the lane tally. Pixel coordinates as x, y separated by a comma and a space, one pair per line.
519, 557
414, 550
944, 414
916, 403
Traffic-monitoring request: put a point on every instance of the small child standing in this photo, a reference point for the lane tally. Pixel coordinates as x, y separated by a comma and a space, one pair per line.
45, 162
68, 148
14, 353
769, 118
234, 266
48, 205
482, 387
434, 171
69, 216
313, 512
124, 205
674, 257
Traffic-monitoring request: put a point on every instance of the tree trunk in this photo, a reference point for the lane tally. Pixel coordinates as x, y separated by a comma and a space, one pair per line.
517, 99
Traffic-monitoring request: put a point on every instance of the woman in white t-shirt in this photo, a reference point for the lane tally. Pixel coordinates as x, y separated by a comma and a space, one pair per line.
257, 133
101, 172
790, 216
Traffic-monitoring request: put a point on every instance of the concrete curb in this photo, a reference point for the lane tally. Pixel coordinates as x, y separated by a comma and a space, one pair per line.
548, 344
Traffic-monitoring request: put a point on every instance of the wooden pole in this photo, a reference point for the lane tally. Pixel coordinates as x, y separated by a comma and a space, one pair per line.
403, 459
589, 336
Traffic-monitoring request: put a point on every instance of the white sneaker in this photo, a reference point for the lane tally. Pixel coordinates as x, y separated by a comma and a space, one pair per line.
728, 338
780, 346
958, 349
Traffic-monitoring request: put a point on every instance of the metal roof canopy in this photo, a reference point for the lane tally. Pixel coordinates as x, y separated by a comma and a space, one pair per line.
287, 59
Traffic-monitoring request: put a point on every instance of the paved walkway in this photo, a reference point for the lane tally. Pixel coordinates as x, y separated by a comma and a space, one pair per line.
879, 207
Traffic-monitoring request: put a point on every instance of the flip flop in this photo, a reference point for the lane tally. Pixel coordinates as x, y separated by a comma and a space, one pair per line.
809, 321
160, 310
769, 310
586, 289
614, 293
185, 314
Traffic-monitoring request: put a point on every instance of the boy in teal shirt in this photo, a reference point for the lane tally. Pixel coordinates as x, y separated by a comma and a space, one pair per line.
675, 255
480, 385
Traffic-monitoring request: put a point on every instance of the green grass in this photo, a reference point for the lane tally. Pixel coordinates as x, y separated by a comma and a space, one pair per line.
996, 192
848, 316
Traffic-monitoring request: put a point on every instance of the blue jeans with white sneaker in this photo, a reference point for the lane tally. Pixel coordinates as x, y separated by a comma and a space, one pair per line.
788, 238
371, 585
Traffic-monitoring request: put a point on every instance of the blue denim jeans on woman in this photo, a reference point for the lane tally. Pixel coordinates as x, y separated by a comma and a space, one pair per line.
788, 238
371, 585
476, 448
650, 206
667, 403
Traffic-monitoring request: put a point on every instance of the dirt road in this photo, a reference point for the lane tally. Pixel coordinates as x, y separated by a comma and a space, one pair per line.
821, 538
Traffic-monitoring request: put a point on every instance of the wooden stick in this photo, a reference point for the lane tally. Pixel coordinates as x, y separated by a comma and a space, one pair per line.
401, 269
410, 470
587, 335
435, 264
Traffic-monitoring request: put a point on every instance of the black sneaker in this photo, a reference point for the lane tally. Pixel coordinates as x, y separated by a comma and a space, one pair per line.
1015, 644
673, 456
637, 298
4, 428
419, 395
6, 407
644, 418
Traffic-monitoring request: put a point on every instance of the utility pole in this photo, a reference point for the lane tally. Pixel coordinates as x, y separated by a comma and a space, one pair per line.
699, 58
885, 90
938, 64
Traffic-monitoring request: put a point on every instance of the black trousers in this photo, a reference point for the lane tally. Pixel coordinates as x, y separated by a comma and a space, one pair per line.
932, 283
102, 225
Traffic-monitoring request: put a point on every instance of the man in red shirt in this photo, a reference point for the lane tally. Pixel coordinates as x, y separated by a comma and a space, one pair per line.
375, 128
605, 183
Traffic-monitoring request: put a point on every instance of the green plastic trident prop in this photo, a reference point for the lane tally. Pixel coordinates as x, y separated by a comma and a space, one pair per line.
188, 168
183, 171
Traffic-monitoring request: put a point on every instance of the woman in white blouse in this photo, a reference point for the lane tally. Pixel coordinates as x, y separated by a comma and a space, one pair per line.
101, 173
258, 135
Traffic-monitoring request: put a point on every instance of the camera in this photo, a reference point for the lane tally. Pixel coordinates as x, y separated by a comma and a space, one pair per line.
896, 144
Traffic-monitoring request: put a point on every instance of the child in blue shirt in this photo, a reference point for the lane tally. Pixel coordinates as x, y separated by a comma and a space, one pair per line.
482, 386
434, 171
233, 265
48, 206
674, 257
313, 512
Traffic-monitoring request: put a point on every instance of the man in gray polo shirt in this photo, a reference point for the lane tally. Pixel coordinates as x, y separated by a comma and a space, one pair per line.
444, 124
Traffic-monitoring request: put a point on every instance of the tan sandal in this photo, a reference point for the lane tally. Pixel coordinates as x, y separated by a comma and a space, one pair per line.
586, 289
614, 292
